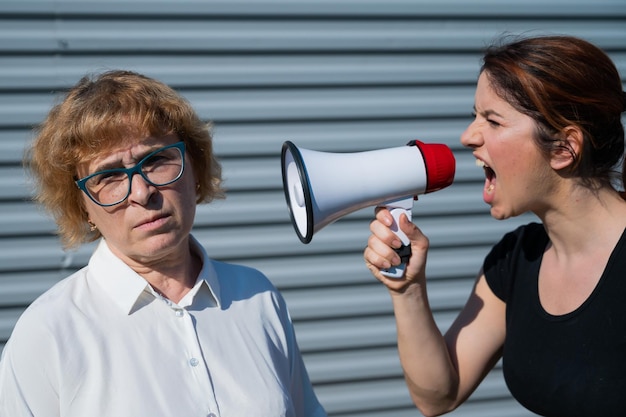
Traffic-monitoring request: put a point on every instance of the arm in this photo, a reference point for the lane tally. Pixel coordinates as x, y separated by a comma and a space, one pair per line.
303, 397
27, 375
441, 372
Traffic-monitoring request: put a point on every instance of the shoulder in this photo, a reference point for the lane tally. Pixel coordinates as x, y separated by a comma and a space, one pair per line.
43, 324
526, 238
516, 252
235, 274
241, 282
55, 302
53, 306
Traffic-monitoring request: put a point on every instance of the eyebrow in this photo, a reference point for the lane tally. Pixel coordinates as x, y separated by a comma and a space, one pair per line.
487, 113
108, 165
117, 164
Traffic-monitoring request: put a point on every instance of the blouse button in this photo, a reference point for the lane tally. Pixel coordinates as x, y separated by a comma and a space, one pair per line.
194, 362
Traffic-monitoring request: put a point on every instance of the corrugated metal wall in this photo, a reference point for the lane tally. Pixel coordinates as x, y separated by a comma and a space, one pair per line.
336, 76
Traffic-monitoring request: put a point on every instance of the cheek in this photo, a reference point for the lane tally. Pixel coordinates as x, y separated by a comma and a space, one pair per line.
183, 198
107, 223
90, 209
101, 217
190, 184
511, 158
187, 190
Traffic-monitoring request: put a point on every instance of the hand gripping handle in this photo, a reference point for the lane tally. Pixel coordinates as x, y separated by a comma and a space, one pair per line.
397, 208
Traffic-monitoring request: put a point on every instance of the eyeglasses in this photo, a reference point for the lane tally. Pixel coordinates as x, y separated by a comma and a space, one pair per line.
112, 186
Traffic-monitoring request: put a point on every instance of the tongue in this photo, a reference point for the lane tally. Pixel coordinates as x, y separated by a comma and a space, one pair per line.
489, 189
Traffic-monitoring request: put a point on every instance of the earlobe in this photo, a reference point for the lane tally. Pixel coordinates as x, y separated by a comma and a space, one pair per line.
567, 149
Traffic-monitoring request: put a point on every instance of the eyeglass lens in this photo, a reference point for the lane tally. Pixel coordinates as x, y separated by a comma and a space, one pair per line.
159, 168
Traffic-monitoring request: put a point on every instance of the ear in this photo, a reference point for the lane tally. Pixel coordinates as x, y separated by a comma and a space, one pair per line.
568, 149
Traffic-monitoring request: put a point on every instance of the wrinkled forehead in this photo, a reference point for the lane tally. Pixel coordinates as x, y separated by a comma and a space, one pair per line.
121, 151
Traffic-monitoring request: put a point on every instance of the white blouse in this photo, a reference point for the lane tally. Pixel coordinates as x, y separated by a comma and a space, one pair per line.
103, 343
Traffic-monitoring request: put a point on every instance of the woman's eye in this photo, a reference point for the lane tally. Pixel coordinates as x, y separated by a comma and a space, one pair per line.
107, 178
156, 160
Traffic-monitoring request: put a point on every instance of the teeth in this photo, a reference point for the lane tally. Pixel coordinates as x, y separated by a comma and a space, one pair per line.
480, 163
490, 188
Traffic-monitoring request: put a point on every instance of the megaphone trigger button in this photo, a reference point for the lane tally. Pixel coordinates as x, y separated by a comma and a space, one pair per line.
404, 252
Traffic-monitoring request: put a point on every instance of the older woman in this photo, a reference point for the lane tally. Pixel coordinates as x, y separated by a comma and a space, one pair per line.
151, 326
550, 298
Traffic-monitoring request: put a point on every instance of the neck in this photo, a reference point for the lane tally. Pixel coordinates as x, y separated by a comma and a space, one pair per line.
584, 220
173, 277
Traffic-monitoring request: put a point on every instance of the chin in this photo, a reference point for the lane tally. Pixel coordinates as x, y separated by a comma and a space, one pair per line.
161, 243
499, 215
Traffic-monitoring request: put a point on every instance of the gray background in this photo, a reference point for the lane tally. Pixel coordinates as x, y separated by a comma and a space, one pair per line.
336, 76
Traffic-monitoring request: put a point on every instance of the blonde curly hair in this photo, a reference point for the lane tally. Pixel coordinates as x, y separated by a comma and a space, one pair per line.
98, 113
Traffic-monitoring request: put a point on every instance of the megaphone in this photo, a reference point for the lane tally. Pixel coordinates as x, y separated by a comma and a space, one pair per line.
321, 187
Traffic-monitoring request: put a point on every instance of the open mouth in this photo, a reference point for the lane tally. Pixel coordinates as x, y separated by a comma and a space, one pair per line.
490, 176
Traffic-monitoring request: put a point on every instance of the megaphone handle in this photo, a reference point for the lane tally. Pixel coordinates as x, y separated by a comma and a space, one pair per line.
405, 251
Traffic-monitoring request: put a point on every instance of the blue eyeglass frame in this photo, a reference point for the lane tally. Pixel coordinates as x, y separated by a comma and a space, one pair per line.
132, 171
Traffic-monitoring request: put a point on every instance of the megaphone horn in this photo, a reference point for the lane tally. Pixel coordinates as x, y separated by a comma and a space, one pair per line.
321, 187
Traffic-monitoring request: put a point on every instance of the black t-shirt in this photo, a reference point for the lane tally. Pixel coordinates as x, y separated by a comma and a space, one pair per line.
570, 365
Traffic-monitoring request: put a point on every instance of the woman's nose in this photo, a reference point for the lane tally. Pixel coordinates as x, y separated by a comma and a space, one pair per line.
140, 190
471, 136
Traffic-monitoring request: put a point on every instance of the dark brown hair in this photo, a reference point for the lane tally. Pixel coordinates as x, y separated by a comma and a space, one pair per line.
563, 81
98, 113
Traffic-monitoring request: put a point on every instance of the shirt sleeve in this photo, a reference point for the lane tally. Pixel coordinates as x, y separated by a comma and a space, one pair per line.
497, 265
303, 396
521, 246
28, 373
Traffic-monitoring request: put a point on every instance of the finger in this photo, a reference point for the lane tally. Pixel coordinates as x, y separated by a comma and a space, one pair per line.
384, 216
385, 234
411, 230
374, 261
382, 255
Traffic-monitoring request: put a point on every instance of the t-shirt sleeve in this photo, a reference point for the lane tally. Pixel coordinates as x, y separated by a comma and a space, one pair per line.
501, 263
